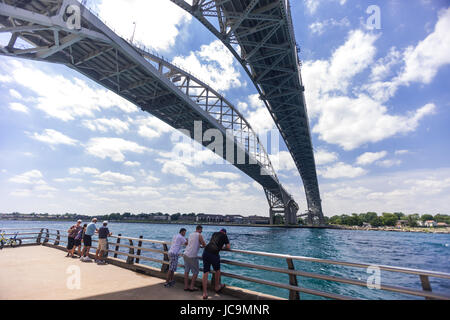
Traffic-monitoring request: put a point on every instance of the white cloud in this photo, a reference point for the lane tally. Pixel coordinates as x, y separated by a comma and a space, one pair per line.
115, 177
60, 97
158, 23
401, 152
151, 127
393, 192
389, 163
15, 106
113, 148
221, 175
424, 61
84, 170
383, 67
319, 27
353, 120
31, 177
283, 161
322, 157
213, 64
341, 170
104, 125
132, 163
15, 94
53, 138
370, 157
79, 190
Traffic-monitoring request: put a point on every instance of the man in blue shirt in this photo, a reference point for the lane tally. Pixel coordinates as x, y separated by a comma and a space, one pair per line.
87, 239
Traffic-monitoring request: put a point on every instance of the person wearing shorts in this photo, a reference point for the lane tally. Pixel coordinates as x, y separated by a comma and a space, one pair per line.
103, 234
73, 232
79, 239
219, 241
91, 229
190, 256
178, 241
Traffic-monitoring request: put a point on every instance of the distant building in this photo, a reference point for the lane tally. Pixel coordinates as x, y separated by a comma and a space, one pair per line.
234, 219
430, 224
161, 218
366, 225
402, 223
256, 220
442, 225
210, 218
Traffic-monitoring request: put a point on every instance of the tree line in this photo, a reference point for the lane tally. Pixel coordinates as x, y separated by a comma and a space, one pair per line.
386, 219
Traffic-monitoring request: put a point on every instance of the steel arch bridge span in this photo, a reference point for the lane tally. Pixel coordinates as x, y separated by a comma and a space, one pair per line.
148, 81
260, 35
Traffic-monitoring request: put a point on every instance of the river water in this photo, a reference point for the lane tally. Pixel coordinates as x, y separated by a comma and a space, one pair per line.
411, 250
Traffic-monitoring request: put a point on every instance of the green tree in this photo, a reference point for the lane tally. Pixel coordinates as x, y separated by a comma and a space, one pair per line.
426, 217
389, 219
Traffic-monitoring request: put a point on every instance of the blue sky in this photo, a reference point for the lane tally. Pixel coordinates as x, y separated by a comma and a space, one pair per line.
378, 102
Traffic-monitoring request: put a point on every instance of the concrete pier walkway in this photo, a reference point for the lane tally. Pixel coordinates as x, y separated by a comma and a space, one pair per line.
42, 273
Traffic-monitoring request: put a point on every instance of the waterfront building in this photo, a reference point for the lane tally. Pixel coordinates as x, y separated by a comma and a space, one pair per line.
430, 224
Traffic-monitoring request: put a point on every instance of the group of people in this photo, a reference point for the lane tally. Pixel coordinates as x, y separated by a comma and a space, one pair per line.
78, 235
211, 258
82, 235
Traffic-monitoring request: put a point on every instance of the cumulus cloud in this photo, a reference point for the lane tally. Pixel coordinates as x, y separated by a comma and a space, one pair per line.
104, 125
15, 106
341, 170
61, 97
213, 64
29, 177
53, 138
352, 119
319, 27
370, 157
115, 177
113, 148
159, 24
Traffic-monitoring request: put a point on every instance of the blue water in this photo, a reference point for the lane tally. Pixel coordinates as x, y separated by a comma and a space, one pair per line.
411, 250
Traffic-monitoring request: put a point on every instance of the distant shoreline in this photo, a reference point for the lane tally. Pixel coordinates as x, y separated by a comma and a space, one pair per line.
334, 227
445, 230
174, 223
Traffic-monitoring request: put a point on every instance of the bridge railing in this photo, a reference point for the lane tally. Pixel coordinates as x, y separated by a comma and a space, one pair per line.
137, 251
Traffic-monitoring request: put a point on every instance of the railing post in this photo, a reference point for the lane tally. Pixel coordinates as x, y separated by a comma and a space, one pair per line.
58, 238
426, 286
117, 246
38, 239
293, 295
165, 267
139, 250
130, 260
47, 236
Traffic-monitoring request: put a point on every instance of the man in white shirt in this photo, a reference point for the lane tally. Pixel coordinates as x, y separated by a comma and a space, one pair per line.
190, 256
177, 242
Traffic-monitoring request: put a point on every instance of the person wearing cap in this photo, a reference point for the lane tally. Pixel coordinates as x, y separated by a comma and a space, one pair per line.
219, 241
91, 229
73, 232
103, 234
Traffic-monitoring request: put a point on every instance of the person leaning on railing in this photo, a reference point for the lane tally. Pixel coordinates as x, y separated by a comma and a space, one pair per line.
91, 229
219, 241
103, 234
73, 232
178, 241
